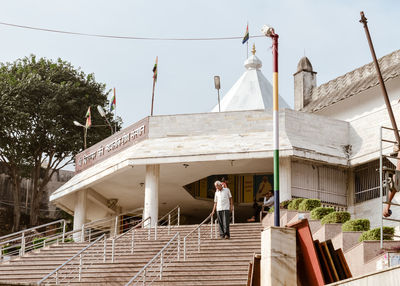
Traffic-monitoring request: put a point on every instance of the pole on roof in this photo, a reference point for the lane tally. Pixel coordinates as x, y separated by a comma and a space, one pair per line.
382, 84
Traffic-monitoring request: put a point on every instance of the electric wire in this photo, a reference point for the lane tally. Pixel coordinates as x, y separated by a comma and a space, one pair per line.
124, 37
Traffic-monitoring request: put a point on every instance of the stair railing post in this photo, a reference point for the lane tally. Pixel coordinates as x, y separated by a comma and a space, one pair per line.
211, 229
22, 250
198, 240
105, 250
215, 228
169, 223
161, 264
83, 233
63, 233
133, 241
184, 248
44, 242
179, 246
144, 277
80, 267
155, 231
57, 277
116, 226
179, 215
233, 215
112, 250
90, 234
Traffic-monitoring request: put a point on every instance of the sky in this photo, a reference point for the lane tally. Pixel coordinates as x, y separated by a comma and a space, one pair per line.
327, 32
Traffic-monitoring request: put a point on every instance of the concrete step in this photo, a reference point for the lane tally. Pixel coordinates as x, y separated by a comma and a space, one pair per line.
327, 231
346, 240
361, 253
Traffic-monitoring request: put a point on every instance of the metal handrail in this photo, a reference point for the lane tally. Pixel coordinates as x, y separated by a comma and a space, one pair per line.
21, 246
132, 230
31, 229
170, 212
198, 228
55, 271
176, 211
160, 254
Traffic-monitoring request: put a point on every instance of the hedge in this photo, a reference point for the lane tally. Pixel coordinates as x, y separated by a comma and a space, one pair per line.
294, 204
356, 225
285, 204
319, 213
309, 204
336, 217
375, 234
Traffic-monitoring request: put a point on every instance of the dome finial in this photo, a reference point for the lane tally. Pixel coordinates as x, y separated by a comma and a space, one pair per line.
254, 50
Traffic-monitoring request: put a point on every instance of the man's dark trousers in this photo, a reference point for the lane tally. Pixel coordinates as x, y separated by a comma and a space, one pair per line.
224, 218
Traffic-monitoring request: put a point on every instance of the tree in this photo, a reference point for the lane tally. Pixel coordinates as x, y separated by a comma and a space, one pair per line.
39, 100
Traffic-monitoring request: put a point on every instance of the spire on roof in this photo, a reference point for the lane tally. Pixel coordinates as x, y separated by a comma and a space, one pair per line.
252, 91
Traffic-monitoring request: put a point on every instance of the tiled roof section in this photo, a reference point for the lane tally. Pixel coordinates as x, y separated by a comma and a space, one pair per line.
353, 82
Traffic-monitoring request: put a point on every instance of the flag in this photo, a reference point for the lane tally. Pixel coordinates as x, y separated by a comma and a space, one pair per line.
155, 70
246, 35
113, 102
88, 118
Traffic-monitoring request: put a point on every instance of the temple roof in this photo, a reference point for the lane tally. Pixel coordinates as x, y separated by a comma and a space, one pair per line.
252, 91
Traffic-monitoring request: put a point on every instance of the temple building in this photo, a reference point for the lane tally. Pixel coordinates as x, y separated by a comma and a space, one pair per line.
329, 149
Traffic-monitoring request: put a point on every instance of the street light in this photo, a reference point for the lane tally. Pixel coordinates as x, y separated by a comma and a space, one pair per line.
270, 33
76, 123
217, 84
103, 114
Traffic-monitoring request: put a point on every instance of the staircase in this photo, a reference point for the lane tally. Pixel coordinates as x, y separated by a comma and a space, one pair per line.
220, 261
362, 257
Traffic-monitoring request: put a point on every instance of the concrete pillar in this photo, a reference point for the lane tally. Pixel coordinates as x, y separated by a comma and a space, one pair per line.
304, 81
278, 256
285, 178
79, 212
152, 181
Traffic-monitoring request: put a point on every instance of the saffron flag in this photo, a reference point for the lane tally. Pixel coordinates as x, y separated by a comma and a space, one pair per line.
246, 35
155, 70
113, 102
88, 118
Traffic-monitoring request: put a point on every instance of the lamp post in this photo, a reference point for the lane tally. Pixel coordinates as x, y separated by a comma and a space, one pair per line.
217, 84
76, 123
269, 32
103, 114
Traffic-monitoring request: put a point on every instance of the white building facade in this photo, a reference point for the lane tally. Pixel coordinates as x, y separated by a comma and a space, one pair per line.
329, 146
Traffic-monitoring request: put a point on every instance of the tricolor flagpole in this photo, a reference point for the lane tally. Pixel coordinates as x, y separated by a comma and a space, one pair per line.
115, 111
276, 127
152, 97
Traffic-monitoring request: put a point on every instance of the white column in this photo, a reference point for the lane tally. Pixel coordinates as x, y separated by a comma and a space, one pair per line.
285, 179
151, 193
79, 212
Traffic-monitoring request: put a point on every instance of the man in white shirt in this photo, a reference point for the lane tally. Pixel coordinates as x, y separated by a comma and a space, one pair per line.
223, 203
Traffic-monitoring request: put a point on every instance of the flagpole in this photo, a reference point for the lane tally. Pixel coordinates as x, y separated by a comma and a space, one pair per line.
247, 48
152, 97
115, 112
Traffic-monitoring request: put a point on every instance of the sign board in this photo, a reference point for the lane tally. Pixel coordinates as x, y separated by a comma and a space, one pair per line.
112, 145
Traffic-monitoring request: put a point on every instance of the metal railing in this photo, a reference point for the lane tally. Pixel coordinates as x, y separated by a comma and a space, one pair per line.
21, 242
72, 269
168, 221
155, 267
131, 246
18, 243
111, 226
189, 246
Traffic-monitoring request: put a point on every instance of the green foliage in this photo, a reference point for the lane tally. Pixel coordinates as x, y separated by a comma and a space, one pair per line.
375, 234
39, 100
285, 204
271, 209
336, 217
320, 212
38, 242
309, 204
356, 225
294, 204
